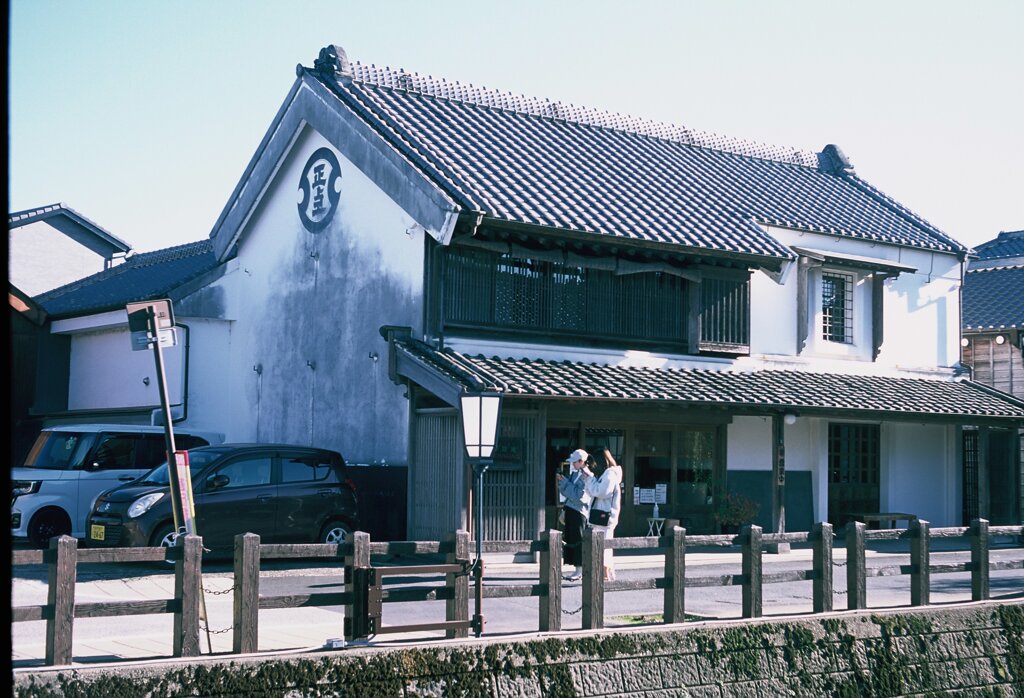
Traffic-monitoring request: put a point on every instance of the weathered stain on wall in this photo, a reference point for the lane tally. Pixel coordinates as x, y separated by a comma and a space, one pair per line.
307, 356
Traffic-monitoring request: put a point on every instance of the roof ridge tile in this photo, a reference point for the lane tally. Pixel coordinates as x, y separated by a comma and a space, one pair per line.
467, 93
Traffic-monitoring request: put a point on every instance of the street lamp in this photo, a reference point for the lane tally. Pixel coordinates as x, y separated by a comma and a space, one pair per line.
480, 414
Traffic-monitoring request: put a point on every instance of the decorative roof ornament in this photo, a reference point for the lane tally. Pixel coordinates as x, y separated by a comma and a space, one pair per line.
333, 63
832, 159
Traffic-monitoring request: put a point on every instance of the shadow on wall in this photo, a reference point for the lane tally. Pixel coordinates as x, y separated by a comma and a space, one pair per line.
382, 491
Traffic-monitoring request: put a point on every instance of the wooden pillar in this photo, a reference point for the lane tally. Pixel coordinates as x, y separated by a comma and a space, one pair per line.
457, 607
356, 556
245, 628
188, 590
984, 498
550, 603
593, 579
920, 576
778, 483
675, 577
822, 567
856, 577
752, 585
979, 560
62, 573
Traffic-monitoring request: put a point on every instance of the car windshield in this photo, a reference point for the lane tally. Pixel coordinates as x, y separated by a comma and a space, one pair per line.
59, 450
197, 460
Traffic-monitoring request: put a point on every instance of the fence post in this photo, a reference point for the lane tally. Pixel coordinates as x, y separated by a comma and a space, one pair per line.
457, 607
675, 577
188, 586
246, 610
550, 602
856, 573
751, 571
593, 579
358, 555
920, 576
63, 573
979, 560
822, 567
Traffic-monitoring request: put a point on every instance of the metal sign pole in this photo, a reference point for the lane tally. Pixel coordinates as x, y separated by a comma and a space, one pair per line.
172, 464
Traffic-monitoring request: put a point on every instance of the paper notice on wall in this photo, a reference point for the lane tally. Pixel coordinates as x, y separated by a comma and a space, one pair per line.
647, 495
636, 496
660, 492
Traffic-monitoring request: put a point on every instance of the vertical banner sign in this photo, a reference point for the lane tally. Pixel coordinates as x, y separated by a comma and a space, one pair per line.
188, 506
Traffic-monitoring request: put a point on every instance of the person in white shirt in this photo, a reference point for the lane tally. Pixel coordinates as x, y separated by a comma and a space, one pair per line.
606, 496
577, 508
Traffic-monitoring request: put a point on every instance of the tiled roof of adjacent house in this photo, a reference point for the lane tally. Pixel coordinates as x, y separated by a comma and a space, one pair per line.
42, 213
753, 391
993, 298
143, 276
1007, 244
543, 163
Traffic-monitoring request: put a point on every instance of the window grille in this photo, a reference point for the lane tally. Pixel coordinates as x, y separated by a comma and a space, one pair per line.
837, 307
970, 476
485, 290
724, 314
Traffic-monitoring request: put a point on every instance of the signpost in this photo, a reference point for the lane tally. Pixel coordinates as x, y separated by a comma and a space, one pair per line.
151, 324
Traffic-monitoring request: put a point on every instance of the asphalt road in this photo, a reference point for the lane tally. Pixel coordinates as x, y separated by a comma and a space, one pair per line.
99, 639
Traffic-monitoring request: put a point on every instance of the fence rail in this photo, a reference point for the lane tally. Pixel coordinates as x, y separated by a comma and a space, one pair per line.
63, 558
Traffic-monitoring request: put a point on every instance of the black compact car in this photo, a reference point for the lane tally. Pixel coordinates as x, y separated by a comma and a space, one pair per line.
285, 494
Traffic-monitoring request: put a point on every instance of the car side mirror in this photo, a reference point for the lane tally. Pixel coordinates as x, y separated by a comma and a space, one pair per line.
217, 481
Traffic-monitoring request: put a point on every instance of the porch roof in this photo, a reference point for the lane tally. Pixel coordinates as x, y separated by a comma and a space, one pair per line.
447, 373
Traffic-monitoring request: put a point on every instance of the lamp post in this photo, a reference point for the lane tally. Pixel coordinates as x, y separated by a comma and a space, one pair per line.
480, 414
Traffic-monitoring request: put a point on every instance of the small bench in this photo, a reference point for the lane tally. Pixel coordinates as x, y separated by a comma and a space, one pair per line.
886, 517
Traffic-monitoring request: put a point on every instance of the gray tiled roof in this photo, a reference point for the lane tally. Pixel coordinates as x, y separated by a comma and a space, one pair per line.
143, 276
1007, 244
529, 161
993, 298
751, 391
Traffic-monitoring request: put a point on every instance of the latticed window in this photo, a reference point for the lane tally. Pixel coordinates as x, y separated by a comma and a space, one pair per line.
486, 290
837, 307
724, 314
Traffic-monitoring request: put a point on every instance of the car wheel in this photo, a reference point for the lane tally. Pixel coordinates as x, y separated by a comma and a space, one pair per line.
164, 537
335, 532
47, 524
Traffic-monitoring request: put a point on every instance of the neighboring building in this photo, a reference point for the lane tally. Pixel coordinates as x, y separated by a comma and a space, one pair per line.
724, 316
53, 245
95, 374
47, 247
993, 320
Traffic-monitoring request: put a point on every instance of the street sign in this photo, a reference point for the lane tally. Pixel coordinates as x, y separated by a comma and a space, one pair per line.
185, 492
142, 341
162, 314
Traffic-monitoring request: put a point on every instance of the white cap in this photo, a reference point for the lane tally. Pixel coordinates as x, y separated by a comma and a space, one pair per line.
578, 454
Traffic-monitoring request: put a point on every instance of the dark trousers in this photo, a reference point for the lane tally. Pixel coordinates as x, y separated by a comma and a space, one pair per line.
572, 541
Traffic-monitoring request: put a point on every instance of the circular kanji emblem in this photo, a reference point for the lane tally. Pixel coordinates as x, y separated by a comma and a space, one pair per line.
319, 190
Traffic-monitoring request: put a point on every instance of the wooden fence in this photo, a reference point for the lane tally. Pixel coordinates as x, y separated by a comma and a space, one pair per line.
63, 557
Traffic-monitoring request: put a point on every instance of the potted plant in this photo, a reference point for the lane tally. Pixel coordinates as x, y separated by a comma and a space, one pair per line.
734, 510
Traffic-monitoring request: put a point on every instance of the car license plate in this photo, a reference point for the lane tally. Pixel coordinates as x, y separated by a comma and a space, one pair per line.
97, 532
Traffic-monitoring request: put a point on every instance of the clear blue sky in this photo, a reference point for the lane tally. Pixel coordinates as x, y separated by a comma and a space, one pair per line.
143, 115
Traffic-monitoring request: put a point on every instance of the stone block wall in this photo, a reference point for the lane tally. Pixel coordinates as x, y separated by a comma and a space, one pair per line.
976, 649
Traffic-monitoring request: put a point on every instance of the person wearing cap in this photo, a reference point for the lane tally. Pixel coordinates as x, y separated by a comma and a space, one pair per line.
577, 508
